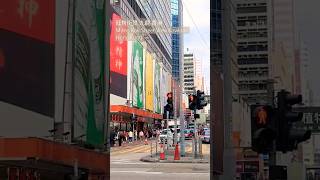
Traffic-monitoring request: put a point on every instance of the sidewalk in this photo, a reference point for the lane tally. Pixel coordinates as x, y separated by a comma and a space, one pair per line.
169, 158
127, 144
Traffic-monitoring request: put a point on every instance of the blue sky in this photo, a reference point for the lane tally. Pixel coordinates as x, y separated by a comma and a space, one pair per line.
199, 10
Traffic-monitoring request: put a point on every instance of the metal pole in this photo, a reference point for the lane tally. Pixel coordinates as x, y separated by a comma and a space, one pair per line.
167, 130
151, 148
182, 140
195, 134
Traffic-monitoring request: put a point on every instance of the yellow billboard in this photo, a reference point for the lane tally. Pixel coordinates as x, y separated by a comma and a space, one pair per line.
149, 81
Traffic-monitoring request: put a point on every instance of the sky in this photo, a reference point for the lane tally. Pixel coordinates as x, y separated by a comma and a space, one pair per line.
199, 11
307, 23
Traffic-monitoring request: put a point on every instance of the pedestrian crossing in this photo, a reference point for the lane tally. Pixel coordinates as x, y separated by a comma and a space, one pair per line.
141, 148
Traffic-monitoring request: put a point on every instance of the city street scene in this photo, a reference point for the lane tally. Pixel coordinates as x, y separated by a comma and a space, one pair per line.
159, 89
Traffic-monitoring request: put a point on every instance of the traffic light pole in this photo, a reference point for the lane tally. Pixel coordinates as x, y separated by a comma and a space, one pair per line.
195, 134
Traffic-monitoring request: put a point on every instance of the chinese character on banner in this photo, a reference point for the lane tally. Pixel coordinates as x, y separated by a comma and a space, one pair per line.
28, 9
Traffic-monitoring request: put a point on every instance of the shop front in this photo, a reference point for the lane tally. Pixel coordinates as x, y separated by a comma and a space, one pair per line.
124, 118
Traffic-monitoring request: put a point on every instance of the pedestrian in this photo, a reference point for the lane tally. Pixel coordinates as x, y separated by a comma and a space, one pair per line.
112, 138
130, 134
126, 135
120, 137
141, 134
135, 135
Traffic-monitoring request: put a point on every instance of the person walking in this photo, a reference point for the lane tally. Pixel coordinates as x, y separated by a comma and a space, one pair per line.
135, 138
112, 138
141, 135
120, 137
130, 134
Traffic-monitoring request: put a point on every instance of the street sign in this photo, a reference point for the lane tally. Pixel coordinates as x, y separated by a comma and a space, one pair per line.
310, 121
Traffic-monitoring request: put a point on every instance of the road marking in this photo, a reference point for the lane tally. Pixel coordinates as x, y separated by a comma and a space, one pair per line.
150, 172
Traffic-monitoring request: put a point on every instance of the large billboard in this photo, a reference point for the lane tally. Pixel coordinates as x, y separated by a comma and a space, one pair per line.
157, 101
27, 55
89, 81
118, 58
137, 58
149, 82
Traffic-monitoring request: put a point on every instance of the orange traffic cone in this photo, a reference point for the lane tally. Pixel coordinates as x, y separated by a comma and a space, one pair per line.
162, 155
177, 153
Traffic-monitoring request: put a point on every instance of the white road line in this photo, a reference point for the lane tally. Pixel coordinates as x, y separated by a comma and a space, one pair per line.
149, 172
138, 172
133, 163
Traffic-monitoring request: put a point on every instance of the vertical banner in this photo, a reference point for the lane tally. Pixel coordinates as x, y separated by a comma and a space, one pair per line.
137, 92
118, 58
89, 81
149, 82
163, 89
157, 101
27, 45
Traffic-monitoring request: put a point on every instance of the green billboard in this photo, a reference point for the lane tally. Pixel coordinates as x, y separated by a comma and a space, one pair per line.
137, 57
88, 73
157, 100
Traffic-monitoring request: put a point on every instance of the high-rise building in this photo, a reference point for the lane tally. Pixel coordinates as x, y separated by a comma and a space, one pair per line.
147, 58
223, 85
177, 38
253, 25
304, 74
199, 79
189, 72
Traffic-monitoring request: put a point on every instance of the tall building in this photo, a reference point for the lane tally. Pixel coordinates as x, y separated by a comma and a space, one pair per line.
283, 38
177, 38
253, 25
223, 85
189, 72
304, 74
146, 62
199, 79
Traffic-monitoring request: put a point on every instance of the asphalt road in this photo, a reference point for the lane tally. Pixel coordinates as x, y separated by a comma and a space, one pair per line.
128, 166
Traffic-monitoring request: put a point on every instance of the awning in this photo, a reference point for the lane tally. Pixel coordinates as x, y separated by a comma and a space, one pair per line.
49, 153
136, 111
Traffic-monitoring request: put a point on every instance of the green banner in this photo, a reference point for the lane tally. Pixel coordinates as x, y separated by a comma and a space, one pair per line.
89, 81
137, 93
157, 101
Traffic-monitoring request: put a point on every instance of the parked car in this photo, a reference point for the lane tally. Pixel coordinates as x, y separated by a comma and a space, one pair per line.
188, 133
205, 136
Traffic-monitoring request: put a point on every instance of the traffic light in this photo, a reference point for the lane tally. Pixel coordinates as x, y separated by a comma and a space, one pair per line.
201, 102
288, 137
169, 106
263, 129
192, 102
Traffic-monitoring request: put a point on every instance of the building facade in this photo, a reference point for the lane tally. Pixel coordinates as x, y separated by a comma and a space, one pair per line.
199, 79
147, 58
189, 73
223, 85
177, 38
253, 25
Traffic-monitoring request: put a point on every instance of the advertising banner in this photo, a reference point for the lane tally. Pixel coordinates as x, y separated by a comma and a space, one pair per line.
31, 18
27, 54
163, 88
157, 101
118, 58
137, 92
149, 82
89, 81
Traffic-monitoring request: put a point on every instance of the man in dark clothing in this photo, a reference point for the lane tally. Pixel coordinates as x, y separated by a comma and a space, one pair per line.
120, 138
112, 138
